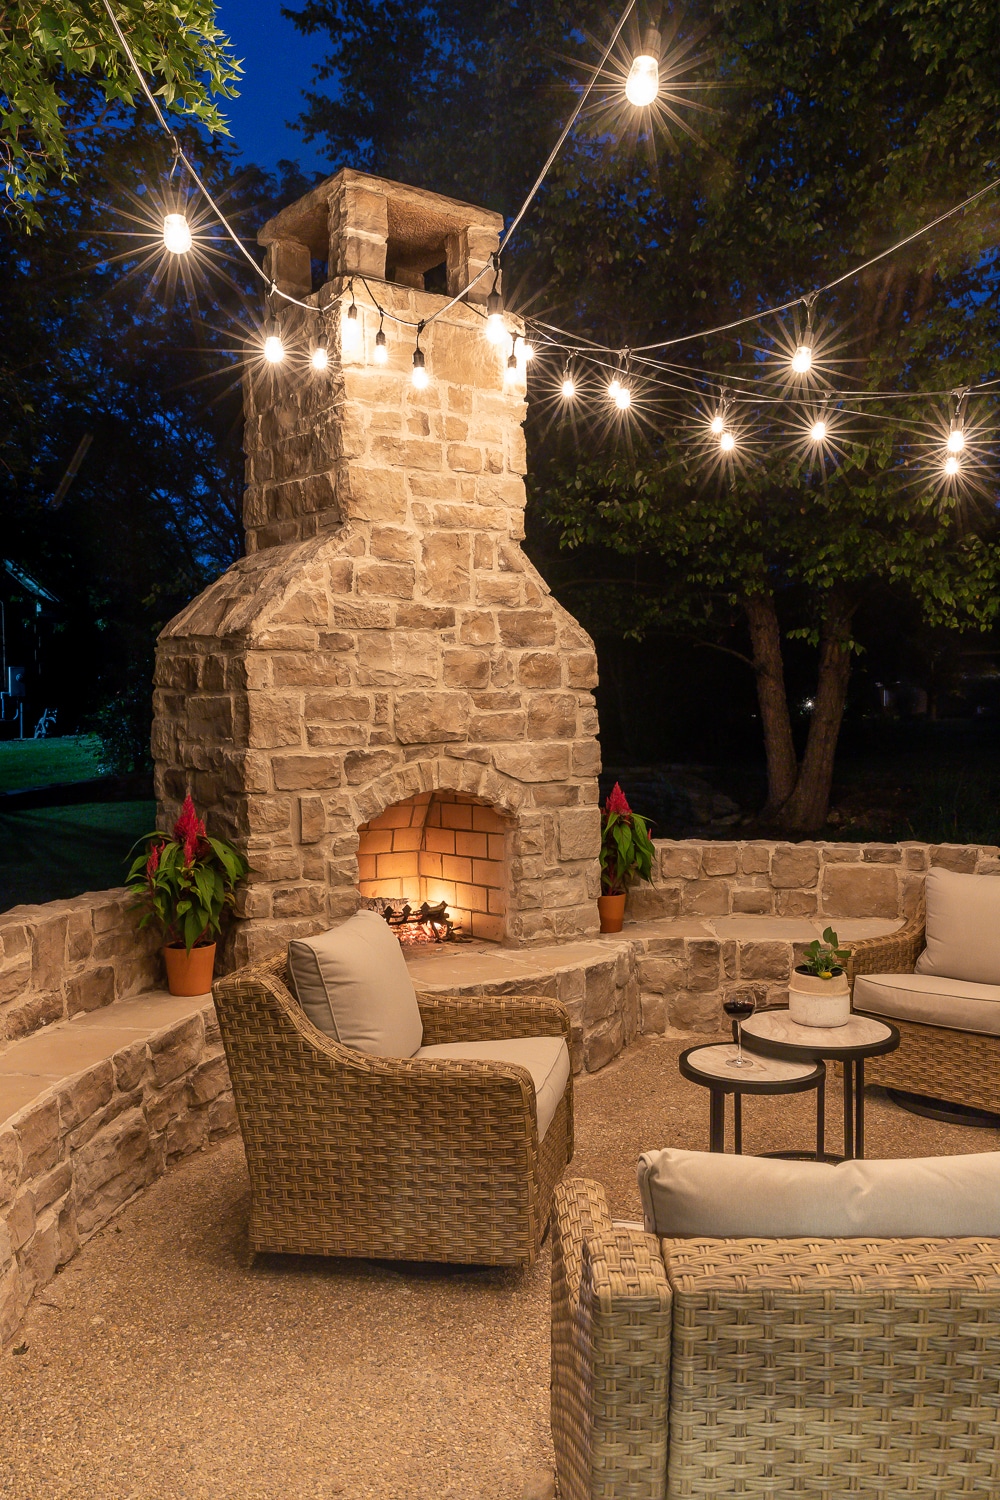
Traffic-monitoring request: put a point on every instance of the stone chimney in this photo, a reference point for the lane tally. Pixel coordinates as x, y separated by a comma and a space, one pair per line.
382, 698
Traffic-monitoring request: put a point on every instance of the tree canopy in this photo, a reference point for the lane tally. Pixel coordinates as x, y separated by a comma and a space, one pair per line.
176, 43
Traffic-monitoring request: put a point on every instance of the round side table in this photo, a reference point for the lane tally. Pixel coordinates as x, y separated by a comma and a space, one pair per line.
709, 1066
772, 1034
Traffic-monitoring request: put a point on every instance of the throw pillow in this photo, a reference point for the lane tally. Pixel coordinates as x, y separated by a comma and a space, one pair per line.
353, 984
963, 927
687, 1193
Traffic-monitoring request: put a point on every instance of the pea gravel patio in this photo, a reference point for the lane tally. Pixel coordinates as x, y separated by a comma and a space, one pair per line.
159, 1366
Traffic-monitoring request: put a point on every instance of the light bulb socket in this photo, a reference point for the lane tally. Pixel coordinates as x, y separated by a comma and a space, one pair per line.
380, 340
352, 311
652, 43
419, 363
494, 304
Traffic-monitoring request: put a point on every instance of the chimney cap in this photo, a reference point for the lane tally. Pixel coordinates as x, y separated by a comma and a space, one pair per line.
415, 216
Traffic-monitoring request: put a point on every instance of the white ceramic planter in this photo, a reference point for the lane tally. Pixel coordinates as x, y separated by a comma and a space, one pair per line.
819, 1002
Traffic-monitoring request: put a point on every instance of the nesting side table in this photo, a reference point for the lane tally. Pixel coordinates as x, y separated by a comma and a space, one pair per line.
772, 1034
709, 1066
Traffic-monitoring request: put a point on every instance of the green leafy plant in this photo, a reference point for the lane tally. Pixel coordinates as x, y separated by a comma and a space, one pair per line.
185, 881
626, 848
824, 959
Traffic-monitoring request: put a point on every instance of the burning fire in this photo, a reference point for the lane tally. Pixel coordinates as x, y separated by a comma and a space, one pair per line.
424, 924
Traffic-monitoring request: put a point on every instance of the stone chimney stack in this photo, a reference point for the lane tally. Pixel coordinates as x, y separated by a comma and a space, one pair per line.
382, 699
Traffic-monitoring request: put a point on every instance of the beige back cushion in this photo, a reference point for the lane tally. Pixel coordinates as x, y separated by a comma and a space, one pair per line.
963, 927
745, 1197
353, 984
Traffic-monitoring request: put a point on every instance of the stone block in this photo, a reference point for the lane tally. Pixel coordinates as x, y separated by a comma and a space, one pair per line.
703, 959
186, 1133
177, 1049
466, 669
222, 1118
679, 861
915, 856
426, 717
765, 960
38, 1135
579, 833
530, 763
794, 866
756, 901
552, 716
696, 1011
603, 1045
958, 857
581, 670
315, 772
796, 903
90, 990
719, 859
653, 1014
860, 891
882, 854
530, 627
312, 819
10, 1162
40, 1257
755, 859
81, 1096
705, 898
600, 993
539, 669
48, 953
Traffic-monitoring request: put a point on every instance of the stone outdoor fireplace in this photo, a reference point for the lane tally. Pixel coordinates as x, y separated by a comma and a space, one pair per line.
382, 698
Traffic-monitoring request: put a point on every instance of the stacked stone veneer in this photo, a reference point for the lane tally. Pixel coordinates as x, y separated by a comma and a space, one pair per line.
386, 636
684, 975
66, 957
692, 879
77, 1153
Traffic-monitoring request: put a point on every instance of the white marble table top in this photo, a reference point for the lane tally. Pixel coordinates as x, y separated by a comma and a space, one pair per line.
714, 1062
775, 1026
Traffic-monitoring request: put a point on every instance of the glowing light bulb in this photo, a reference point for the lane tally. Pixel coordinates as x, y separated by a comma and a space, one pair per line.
817, 431
643, 82
319, 359
496, 332
623, 398
350, 336
802, 359
523, 351
176, 234
614, 386
956, 440
381, 354
727, 442
568, 387
952, 466
274, 349
717, 426
512, 371
421, 379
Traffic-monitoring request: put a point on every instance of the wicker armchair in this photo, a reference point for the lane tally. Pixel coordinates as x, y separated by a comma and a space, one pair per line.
399, 1159
685, 1368
938, 1062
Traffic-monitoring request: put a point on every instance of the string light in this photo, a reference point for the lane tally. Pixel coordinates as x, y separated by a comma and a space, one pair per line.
319, 358
952, 467
568, 386
623, 397
802, 359
513, 369
274, 349
496, 330
643, 82
351, 327
176, 234
817, 431
524, 351
727, 442
717, 425
381, 353
421, 379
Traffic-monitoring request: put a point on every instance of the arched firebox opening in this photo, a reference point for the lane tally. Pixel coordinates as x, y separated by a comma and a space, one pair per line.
440, 847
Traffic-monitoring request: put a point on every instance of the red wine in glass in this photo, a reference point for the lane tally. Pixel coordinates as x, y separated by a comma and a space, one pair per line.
738, 1007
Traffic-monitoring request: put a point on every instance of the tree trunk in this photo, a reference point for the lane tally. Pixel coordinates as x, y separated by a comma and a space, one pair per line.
765, 635
807, 807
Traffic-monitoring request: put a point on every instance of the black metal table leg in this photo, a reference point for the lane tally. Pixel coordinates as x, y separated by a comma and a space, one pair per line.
859, 1108
821, 1121
717, 1120
848, 1066
738, 1123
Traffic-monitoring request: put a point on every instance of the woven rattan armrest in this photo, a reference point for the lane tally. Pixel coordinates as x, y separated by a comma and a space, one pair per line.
610, 1350
480, 1018
894, 953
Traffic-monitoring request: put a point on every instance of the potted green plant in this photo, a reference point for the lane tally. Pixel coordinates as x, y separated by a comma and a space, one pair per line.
626, 855
819, 993
184, 881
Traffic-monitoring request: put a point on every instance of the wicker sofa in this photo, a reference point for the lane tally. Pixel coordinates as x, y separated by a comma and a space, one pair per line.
937, 1062
704, 1367
392, 1158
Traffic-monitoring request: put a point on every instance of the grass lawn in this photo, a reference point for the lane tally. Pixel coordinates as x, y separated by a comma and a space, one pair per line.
51, 853
72, 757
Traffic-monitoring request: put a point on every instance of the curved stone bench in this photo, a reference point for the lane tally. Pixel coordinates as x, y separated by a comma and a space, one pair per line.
91, 1111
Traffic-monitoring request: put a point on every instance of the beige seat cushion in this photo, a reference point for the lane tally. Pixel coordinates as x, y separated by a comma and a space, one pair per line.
353, 984
963, 927
952, 1003
545, 1057
688, 1193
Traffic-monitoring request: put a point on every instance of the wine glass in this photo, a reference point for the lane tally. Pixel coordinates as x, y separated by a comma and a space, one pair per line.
738, 1006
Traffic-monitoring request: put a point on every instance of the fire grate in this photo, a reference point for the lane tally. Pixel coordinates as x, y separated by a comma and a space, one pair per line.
421, 924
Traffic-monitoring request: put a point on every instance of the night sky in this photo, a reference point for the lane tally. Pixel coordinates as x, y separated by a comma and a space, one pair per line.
277, 66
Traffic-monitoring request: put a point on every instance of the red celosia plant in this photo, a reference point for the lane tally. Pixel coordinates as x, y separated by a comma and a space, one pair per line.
185, 880
626, 848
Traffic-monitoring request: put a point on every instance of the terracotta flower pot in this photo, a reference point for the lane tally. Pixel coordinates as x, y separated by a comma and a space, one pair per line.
189, 973
612, 912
